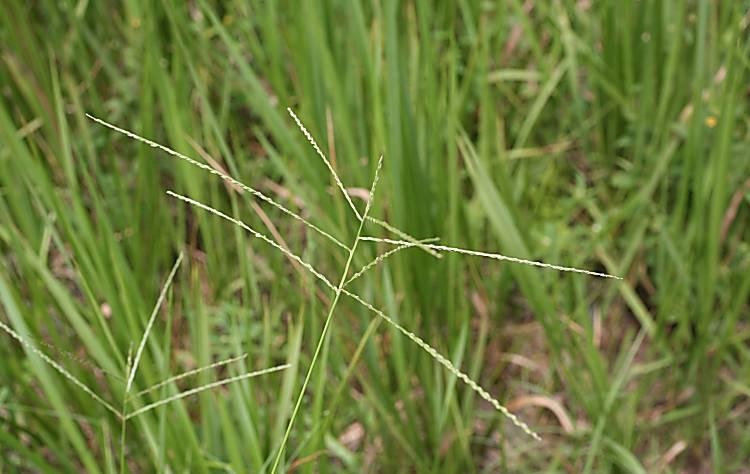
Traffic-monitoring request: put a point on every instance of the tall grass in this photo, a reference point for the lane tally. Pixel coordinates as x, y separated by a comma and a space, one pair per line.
607, 136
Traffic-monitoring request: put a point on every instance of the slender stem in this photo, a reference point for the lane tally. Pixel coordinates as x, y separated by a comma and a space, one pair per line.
329, 318
122, 440
323, 428
123, 420
322, 338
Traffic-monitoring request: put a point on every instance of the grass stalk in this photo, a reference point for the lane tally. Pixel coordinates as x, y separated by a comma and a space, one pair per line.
329, 318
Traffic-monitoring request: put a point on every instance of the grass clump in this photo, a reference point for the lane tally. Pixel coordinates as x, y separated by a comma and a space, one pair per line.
125, 413
607, 136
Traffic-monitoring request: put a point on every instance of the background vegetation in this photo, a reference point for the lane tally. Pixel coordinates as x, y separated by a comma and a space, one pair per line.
608, 135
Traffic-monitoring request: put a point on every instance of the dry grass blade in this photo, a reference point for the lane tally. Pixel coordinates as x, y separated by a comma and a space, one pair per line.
157, 306
223, 176
202, 388
60, 369
325, 160
190, 373
496, 256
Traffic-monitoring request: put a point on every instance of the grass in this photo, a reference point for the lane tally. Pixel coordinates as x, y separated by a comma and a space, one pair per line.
604, 136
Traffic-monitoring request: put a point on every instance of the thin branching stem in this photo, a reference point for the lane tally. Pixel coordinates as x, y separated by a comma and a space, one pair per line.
385, 225
325, 160
447, 364
202, 388
255, 233
189, 373
495, 256
380, 258
416, 339
218, 173
52, 363
254, 191
339, 289
150, 324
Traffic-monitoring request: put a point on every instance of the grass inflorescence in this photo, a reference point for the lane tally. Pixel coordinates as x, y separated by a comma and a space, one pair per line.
344, 278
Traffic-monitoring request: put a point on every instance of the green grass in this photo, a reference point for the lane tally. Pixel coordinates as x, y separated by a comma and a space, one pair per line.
608, 136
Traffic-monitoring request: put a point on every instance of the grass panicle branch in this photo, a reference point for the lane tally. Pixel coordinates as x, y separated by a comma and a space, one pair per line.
325, 160
432, 352
254, 233
385, 225
342, 188
150, 324
223, 176
65, 373
190, 373
380, 258
494, 256
253, 191
203, 388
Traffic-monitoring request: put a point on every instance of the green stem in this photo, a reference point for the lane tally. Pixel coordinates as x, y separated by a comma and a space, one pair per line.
323, 335
122, 446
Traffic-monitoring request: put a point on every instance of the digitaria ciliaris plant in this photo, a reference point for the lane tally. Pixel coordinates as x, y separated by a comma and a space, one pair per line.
132, 404
404, 241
